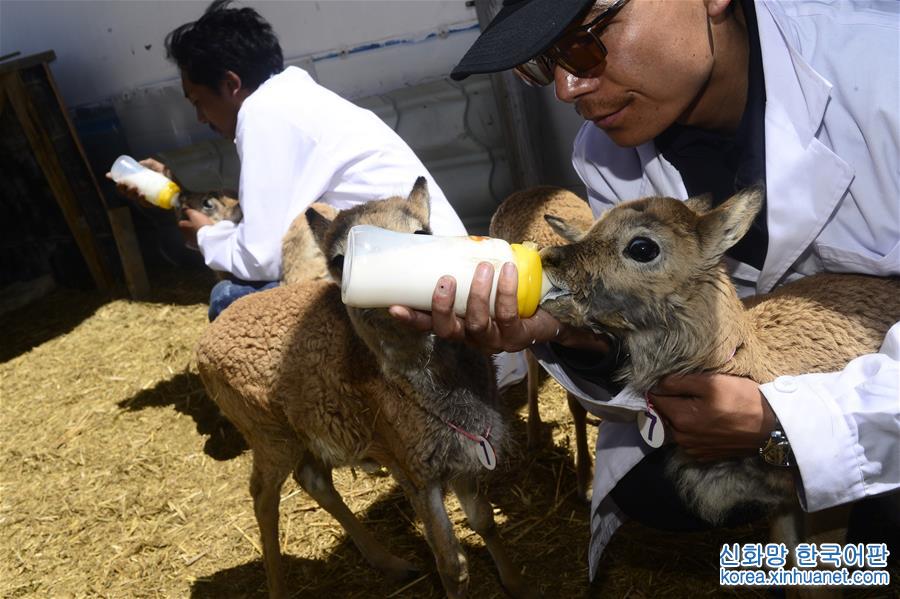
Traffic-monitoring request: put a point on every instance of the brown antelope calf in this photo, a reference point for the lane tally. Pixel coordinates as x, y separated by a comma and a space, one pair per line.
217, 207
518, 219
650, 271
313, 385
302, 259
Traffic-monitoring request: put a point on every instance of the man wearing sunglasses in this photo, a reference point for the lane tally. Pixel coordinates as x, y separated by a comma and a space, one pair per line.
684, 97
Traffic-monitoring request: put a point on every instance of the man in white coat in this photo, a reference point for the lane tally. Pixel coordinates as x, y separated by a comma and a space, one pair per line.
697, 96
298, 143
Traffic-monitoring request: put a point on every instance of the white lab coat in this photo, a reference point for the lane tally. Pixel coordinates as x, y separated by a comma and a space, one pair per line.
833, 204
300, 143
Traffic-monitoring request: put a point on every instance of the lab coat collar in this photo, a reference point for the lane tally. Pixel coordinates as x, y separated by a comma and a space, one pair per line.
805, 180
660, 176
802, 93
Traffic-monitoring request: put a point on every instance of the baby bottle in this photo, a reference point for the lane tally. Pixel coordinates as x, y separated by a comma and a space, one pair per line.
154, 187
383, 268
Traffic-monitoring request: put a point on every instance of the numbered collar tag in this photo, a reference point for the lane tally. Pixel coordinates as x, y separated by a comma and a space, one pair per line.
651, 427
485, 452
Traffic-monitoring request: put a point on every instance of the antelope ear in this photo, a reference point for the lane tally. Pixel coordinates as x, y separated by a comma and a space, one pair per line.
319, 225
421, 200
701, 203
724, 226
326, 210
571, 232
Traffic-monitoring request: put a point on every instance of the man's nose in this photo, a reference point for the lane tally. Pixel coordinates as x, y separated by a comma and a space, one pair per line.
568, 86
202, 117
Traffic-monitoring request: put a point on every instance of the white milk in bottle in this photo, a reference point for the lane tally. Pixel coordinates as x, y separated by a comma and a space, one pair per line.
154, 187
384, 268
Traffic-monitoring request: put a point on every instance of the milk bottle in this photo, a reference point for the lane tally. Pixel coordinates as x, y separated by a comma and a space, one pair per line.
154, 187
383, 268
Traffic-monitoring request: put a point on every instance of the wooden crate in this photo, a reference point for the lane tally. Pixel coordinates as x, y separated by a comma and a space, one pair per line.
46, 182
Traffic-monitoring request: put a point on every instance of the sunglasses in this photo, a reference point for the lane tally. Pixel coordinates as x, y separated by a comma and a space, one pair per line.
579, 51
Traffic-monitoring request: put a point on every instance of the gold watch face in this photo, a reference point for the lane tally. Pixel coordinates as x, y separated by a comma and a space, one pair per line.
776, 452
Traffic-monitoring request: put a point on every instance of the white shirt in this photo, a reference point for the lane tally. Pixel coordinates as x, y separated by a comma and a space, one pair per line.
833, 204
300, 143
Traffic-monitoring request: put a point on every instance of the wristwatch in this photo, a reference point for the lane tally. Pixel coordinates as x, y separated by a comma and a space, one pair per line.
776, 450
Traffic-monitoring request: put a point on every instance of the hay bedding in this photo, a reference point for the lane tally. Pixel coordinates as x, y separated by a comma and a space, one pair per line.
119, 480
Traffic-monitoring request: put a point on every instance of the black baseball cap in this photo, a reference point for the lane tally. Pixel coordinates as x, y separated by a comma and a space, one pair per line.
520, 31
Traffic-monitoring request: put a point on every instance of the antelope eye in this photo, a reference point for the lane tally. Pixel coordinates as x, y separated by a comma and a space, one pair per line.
337, 263
642, 249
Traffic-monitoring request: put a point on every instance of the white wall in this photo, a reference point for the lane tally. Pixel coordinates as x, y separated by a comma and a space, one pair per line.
391, 56
156, 117
107, 47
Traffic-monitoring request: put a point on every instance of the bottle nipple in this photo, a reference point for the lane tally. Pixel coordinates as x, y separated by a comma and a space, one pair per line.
533, 283
383, 268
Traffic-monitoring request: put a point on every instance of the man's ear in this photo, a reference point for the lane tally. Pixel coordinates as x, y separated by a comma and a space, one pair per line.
231, 84
716, 8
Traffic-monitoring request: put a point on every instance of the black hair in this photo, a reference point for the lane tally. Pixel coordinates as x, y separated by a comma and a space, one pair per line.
226, 39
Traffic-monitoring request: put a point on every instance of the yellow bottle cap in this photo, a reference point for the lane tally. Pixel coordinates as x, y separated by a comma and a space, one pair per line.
528, 263
165, 197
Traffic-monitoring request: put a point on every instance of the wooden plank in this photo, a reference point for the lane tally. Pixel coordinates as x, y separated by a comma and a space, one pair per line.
46, 157
10, 66
121, 224
129, 252
74, 133
518, 106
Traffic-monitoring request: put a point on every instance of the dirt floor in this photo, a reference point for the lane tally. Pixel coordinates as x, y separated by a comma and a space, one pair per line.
119, 480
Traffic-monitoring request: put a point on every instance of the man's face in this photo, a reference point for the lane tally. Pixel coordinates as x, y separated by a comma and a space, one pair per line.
216, 108
660, 60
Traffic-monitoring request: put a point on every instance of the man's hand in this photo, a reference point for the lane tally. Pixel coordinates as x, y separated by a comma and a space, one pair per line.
159, 167
714, 416
191, 223
131, 192
506, 331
